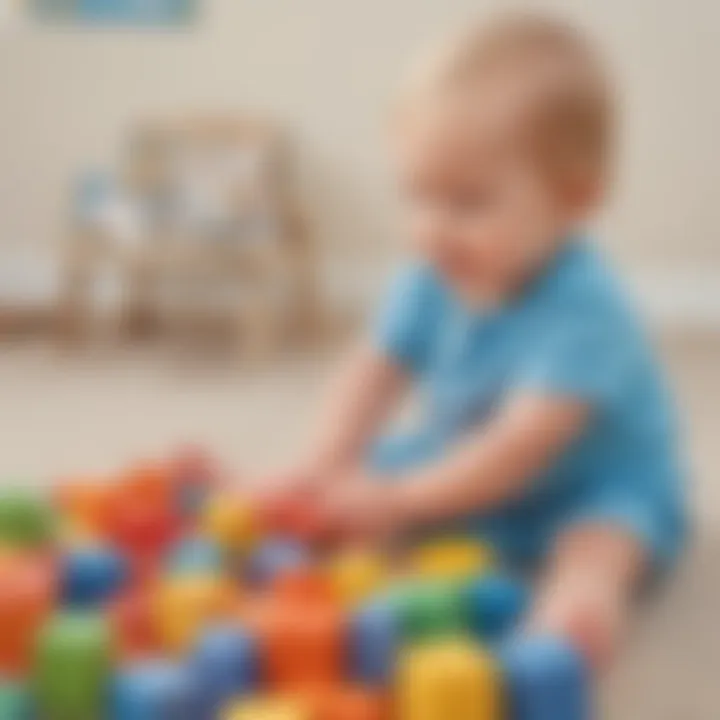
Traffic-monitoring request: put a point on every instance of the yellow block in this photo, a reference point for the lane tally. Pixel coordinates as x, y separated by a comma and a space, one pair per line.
182, 606
356, 574
229, 520
267, 709
453, 679
452, 559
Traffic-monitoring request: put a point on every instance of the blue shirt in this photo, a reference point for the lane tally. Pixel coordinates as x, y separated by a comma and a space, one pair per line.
570, 333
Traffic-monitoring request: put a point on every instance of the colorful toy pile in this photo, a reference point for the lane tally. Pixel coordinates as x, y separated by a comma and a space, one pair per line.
163, 596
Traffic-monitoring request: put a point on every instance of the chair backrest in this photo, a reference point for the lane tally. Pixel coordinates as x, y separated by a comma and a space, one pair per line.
210, 179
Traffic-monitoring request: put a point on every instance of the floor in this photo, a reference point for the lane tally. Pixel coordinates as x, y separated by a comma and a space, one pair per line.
63, 415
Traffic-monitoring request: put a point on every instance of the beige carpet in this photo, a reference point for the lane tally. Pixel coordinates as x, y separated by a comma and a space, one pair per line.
61, 416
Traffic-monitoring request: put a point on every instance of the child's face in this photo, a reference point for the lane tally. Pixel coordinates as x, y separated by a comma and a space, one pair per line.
479, 209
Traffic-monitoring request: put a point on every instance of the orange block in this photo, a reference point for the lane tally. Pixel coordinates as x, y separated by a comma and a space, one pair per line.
87, 503
348, 703
28, 589
302, 633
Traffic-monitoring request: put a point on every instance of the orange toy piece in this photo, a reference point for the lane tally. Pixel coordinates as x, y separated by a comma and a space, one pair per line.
148, 482
348, 703
134, 630
301, 631
87, 504
28, 589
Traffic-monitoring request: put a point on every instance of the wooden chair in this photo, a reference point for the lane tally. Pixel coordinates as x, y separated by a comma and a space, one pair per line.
215, 233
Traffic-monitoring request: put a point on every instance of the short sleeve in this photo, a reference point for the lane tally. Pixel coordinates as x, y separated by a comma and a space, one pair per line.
405, 323
579, 354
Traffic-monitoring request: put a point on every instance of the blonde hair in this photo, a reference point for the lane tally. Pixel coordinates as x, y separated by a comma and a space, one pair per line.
558, 80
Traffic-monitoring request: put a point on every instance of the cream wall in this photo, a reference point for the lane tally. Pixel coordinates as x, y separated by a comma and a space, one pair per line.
326, 68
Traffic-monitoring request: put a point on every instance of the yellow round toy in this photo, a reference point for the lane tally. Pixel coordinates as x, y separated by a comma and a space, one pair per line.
355, 575
450, 679
229, 520
268, 709
182, 606
451, 559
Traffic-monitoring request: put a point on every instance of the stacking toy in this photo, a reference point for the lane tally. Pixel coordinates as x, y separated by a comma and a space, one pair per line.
546, 680
14, 702
156, 690
430, 608
271, 708
494, 603
28, 586
73, 667
301, 631
134, 629
355, 575
25, 520
273, 558
228, 519
373, 643
451, 559
452, 679
196, 555
224, 665
91, 575
183, 605
294, 517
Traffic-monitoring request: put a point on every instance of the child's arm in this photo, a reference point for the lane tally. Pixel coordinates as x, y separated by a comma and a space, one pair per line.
490, 467
496, 463
358, 400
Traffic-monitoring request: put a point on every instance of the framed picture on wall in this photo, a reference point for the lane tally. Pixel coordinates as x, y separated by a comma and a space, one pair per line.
116, 12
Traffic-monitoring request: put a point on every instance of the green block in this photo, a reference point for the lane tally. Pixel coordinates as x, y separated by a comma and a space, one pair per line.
73, 667
25, 520
13, 702
430, 609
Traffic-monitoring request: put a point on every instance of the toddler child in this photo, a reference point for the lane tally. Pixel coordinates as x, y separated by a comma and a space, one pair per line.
546, 427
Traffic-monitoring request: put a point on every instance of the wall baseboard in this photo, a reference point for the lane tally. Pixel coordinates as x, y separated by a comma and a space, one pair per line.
670, 299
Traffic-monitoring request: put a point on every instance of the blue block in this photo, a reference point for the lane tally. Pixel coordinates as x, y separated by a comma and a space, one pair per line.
225, 665
494, 604
546, 679
273, 557
156, 690
91, 575
195, 555
373, 643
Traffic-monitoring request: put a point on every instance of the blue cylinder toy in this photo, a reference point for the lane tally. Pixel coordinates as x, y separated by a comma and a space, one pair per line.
156, 690
225, 665
494, 604
91, 575
374, 640
273, 557
546, 679
195, 555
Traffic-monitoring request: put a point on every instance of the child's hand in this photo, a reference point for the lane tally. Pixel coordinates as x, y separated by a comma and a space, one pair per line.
360, 505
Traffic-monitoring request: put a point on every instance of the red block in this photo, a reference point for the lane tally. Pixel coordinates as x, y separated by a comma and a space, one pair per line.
133, 626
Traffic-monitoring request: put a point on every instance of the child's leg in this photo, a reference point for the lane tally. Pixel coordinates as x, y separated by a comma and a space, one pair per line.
588, 588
